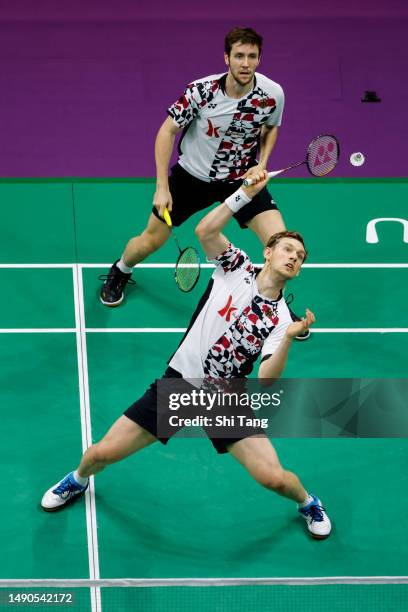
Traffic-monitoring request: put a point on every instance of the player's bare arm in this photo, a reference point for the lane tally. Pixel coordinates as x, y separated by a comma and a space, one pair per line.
272, 368
209, 229
269, 135
163, 149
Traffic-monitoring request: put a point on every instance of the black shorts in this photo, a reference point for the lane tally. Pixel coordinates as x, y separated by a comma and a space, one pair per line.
191, 195
144, 412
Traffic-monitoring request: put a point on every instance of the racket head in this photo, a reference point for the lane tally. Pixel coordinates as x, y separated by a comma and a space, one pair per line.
187, 271
322, 154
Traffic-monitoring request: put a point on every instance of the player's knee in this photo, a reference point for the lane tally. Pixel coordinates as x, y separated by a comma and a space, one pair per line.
105, 453
271, 477
152, 241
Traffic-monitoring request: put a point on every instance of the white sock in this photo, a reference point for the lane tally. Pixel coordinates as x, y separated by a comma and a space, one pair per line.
123, 267
81, 481
307, 501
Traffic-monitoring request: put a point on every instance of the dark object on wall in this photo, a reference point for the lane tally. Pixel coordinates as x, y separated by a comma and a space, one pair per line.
370, 96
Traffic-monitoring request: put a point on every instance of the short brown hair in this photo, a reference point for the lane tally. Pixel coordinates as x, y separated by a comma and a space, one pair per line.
275, 238
246, 36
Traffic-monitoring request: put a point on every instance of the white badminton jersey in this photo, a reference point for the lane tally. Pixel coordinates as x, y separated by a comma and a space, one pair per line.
233, 323
221, 134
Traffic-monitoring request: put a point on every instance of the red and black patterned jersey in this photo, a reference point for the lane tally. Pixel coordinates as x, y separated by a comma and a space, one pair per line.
233, 323
221, 134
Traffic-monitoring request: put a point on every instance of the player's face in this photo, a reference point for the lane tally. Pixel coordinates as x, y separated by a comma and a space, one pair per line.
242, 62
286, 257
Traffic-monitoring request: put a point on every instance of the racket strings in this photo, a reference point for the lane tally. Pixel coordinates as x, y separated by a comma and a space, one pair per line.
187, 269
323, 155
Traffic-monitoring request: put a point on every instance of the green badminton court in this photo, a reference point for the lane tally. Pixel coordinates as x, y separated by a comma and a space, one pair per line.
70, 367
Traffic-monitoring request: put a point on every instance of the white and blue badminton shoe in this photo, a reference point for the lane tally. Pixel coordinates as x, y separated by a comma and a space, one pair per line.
318, 523
62, 493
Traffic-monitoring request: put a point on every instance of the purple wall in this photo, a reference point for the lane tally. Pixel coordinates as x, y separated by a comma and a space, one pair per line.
85, 88
136, 10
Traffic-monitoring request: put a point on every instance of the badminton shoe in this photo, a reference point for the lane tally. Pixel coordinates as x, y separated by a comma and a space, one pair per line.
114, 285
318, 523
61, 494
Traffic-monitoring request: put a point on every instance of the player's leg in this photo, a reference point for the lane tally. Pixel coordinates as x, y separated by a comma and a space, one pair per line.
134, 430
124, 438
150, 240
267, 223
189, 195
137, 249
260, 459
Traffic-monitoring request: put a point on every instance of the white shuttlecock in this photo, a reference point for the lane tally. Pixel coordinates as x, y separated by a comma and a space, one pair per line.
357, 159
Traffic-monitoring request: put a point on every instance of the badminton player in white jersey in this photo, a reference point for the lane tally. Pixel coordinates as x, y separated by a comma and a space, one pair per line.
241, 315
227, 120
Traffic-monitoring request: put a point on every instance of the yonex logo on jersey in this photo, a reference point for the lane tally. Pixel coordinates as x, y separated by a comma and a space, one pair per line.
212, 131
227, 310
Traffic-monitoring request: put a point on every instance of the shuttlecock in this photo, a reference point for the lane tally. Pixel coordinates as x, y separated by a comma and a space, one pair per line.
357, 159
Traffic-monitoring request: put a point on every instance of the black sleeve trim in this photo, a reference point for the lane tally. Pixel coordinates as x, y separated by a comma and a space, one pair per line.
265, 357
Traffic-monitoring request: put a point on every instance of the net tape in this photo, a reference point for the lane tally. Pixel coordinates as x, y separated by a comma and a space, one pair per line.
201, 582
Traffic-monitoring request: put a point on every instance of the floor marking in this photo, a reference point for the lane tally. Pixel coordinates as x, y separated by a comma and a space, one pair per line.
203, 582
91, 528
181, 330
39, 330
317, 330
203, 265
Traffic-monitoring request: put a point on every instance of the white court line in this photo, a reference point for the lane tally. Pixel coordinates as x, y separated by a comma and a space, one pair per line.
317, 330
39, 330
306, 265
23, 265
202, 582
177, 330
359, 330
91, 528
137, 330
205, 265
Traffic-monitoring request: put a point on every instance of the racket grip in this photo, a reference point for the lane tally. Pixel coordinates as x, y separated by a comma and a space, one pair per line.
167, 218
249, 181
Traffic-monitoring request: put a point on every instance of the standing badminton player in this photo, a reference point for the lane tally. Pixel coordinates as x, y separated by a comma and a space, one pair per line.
226, 119
223, 342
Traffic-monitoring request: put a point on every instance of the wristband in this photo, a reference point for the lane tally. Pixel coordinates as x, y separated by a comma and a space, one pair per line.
237, 200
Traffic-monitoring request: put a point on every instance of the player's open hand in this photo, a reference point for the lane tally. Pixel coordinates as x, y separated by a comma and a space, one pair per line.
299, 327
259, 178
162, 199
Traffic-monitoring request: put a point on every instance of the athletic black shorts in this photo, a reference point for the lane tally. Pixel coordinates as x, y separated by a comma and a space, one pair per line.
191, 195
144, 412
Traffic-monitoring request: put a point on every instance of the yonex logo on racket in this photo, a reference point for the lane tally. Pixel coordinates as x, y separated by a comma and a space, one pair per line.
322, 155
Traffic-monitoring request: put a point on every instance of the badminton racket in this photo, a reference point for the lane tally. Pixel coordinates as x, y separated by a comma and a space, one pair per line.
187, 270
321, 157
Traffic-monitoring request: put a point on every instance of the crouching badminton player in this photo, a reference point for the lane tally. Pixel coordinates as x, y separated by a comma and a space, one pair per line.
241, 315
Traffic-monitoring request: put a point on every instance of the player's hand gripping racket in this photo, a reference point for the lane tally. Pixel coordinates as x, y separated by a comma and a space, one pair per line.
321, 157
187, 271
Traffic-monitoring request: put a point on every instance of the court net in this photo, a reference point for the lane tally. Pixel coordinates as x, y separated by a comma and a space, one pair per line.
335, 594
